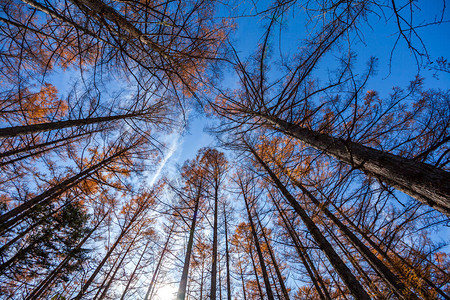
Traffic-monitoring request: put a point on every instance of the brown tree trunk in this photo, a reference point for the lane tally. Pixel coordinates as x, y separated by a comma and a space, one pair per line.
43, 147
22, 211
187, 259
261, 294
344, 272
214, 249
257, 246
41, 127
382, 270
227, 254
351, 258
386, 256
421, 181
274, 261
44, 285
306, 261
242, 277
151, 286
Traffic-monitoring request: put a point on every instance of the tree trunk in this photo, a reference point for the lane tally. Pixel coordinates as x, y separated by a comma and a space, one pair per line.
261, 294
116, 269
385, 255
42, 127
43, 147
151, 286
242, 277
382, 270
124, 231
214, 249
370, 284
344, 272
258, 248
22, 211
309, 266
274, 261
44, 285
227, 254
421, 181
187, 259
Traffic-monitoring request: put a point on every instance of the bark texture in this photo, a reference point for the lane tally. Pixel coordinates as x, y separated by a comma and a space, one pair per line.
428, 184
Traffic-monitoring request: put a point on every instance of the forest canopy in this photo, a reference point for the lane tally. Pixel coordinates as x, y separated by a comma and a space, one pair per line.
328, 174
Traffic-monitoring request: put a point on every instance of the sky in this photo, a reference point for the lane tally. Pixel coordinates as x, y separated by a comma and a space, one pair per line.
377, 40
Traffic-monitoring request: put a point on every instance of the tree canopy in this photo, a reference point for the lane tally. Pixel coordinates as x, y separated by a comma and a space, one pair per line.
328, 177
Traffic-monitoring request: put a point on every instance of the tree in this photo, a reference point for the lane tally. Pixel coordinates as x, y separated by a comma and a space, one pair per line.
335, 122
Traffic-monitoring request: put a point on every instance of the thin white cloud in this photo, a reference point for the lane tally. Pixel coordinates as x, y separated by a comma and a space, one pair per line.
173, 147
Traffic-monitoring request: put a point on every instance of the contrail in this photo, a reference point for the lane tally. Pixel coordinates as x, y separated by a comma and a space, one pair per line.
173, 147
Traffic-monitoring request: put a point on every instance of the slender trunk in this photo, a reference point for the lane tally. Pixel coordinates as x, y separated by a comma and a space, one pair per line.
214, 250
336, 283
158, 265
309, 266
105, 279
386, 256
20, 254
351, 258
242, 277
258, 248
124, 231
344, 272
421, 181
261, 295
116, 269
44, 285
382, 270
227, 254
42, 127
22, 211
220, 282
274, 261
134, 271
187, 259
202, 278
32, 227
43, 147
274, 285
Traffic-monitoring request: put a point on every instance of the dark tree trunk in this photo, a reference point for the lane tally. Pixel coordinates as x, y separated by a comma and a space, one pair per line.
421, 181
227, 254
44, 285
116, 269
261, 294
123, 232
22, 211
306, 261
187, 259
386, 256
41, 127
242, 277
274, 261
344, 272
258, 248
382, 270
351, 258
214, 249
151, 286
42, 147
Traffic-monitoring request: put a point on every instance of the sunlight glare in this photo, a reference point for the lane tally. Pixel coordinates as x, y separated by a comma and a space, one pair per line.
166, 292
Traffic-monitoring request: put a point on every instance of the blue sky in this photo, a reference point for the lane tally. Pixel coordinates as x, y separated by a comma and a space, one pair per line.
378, 41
